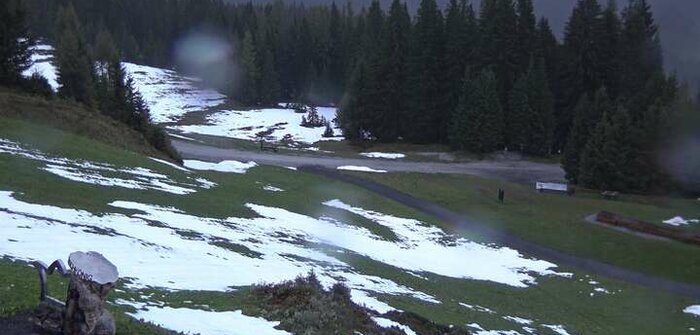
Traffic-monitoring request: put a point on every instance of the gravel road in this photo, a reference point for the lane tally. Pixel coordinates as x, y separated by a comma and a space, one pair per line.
518, 171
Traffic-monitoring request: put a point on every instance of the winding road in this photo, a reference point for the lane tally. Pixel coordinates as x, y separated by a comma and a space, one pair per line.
516, 171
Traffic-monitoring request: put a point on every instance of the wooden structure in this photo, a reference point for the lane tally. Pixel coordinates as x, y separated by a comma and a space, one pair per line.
91, 278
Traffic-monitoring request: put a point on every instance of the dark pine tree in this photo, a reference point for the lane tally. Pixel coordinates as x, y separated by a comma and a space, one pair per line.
640, 47
583, 56
389, 120
610, 61
427, 111
588, 113
526, 34
477, 124
75, 70
15, 43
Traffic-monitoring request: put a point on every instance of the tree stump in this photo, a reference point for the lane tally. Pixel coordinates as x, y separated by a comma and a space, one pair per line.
92, 277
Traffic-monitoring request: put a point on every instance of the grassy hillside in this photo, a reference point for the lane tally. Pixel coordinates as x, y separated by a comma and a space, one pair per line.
73, 118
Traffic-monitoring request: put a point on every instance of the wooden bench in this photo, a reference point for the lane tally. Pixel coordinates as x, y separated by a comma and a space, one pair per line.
610, 195
268, 146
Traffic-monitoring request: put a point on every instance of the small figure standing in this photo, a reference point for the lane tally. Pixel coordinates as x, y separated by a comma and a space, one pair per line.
501, 195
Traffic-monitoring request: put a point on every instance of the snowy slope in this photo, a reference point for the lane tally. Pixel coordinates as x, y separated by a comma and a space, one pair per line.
170, 96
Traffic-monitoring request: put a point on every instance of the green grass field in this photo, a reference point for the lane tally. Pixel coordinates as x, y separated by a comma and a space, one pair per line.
550, 219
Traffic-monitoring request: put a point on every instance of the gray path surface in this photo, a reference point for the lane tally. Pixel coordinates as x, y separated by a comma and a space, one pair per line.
517, 171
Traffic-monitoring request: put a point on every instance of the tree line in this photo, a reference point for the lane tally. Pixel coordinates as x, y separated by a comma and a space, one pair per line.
95, 78
479, 79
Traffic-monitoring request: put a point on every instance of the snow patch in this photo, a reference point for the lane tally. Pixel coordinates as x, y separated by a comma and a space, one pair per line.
693, 310
195, 321
104, 174
360, 169
271, 188
224, 166
172, 165
680, 221
169, 95
518, 320
275, 124
559, 329
386, 323
383, 155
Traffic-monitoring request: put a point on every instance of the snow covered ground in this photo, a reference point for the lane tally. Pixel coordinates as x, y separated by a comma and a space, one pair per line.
170, 96
275, 123
360, 169
157, 256
225, 166
680, 221
107, 175
384, 155
693, 310
195, 321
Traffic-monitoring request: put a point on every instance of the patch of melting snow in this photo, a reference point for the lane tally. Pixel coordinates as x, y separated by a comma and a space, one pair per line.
41, 64
497, 332
224, 166
271, 188
680, 221
693, 310
360, 169
104, 174
384, 155
518, 320
275, 123
477, 308
386, 323
182, 137
420, 245
559, 329
157, 256
170, 164
169, 95
195, 321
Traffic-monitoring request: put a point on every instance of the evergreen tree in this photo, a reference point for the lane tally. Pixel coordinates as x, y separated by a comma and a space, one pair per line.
75, 70
531, 107
605, 161
392, 74
461, 33
249, 71
354, 112
427, 91
588, 113
498, 25
583, 56
610, 62
641, 47
270, 90
477, 124
15, 43
526, 34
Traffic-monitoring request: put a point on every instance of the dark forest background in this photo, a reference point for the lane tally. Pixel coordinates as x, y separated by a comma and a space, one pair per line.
678, 21
480, 77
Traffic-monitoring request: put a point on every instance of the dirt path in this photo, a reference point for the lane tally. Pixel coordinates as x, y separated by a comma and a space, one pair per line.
509, 240
517, 171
